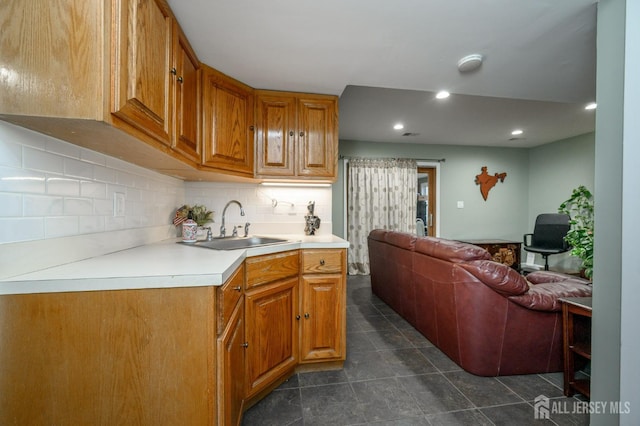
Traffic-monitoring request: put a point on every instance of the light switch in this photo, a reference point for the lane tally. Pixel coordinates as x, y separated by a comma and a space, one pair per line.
118, 204
461, 204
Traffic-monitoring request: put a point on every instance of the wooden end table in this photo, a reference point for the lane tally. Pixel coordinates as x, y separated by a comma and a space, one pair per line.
501, 251
576, 336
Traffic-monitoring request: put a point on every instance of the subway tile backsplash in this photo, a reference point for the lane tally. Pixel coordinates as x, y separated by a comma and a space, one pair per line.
57, 203
53, 189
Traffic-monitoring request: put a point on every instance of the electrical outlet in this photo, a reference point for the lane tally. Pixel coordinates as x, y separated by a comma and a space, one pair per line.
118, 204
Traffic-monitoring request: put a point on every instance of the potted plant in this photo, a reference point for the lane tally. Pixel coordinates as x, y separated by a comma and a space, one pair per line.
580, 236
200, 214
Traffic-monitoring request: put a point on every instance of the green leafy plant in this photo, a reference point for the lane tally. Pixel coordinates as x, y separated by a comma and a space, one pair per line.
200, 213
580, 236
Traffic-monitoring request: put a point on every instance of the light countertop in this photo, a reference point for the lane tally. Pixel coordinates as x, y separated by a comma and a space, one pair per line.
159, 265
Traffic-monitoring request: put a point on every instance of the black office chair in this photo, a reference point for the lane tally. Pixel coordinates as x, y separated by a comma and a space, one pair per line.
548, 236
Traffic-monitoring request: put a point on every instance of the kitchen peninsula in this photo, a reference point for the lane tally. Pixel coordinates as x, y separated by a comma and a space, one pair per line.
169, 334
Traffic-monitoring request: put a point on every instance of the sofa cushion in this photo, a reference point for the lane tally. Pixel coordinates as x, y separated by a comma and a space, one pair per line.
500, 278
452, 251
544, 296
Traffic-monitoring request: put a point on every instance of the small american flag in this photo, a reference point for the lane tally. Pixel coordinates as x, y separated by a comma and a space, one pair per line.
179, 218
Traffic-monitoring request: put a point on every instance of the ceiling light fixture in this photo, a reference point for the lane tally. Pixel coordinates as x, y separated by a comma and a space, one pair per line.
517, 132
398, 126
591, 106
443, 94
470, 63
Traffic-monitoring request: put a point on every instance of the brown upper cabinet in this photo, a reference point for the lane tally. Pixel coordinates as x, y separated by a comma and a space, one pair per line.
228, 123
156, 76
128, 64
297, 135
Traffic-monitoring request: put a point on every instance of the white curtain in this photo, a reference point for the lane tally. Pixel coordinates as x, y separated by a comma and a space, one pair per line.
381, 194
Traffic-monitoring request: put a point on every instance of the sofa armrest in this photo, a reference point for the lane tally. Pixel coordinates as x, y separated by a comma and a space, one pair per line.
500, 278
554, 277
545, 296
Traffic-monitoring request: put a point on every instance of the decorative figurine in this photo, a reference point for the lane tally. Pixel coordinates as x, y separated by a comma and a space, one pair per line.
312, 221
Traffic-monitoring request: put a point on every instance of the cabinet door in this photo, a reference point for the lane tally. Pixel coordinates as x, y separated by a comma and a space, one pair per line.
228, 123
187, 99
276, 122
141, 74
323, 318
271, 332
231, 368
317, 137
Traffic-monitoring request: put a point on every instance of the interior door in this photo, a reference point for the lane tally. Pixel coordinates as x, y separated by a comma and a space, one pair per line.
427, 198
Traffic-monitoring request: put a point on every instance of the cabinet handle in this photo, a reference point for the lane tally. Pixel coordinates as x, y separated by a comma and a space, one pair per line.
180, 80
321, 262
174, 71
306, 315
237, 288
298, 317
301, 134
291, 133
245, 345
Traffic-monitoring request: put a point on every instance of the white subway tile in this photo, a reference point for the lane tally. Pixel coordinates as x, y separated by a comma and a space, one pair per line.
60, 226
78, 206
77, 168
91, 224
20, 180
58, 185
35, 159
14, 230
43, 205
104, 174
10, 154
93, 189
103, 207
114, 223
10, 204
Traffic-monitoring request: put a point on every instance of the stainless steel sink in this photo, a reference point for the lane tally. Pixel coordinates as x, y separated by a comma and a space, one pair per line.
233, 243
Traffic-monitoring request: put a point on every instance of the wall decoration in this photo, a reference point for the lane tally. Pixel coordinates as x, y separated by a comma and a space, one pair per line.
487, 182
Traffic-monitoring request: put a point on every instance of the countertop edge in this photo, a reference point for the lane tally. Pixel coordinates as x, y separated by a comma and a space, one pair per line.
96, 274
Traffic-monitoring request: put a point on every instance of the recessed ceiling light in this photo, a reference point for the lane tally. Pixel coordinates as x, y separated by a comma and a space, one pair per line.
592, 105
517, 132
398, 126
470, 63
443, 94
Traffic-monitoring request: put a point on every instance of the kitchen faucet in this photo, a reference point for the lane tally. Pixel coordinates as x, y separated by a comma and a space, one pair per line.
223, 230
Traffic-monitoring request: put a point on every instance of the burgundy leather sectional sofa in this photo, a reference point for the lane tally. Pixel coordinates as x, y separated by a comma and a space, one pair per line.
483, 315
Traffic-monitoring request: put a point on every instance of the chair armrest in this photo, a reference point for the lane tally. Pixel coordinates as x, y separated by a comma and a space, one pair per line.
526, 239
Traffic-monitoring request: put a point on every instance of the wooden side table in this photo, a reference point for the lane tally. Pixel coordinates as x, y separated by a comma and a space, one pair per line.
576, 333
501, 251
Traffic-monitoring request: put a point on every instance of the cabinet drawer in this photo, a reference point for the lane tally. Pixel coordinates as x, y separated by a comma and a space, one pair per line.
326, 261
227, 297
272, 267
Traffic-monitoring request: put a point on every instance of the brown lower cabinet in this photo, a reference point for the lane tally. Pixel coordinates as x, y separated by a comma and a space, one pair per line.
166, 356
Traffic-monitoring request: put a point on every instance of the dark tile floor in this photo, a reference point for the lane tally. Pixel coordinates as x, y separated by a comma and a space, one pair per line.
395, 376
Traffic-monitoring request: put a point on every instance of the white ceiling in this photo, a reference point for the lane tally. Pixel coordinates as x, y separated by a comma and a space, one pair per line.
386, 59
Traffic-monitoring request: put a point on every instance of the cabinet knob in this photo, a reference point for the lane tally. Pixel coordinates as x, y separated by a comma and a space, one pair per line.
321, 262
173, 71
301, 134
291, 133
251, 128
245, 345
306, 315
237, 288
298, 317
180, 80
